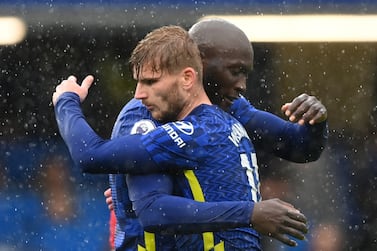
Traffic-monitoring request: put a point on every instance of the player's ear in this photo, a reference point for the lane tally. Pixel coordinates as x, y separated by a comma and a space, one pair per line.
189, 76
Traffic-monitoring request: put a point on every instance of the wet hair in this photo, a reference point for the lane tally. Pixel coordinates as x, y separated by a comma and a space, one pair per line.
170, 49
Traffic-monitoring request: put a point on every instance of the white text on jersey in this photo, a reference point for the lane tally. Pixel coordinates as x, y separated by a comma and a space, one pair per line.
238, 132
174, 135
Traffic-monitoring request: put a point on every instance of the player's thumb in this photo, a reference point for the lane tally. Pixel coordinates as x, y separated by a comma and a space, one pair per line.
87, 82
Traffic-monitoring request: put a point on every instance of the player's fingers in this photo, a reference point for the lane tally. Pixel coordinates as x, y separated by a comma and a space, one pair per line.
293, 232
109, 200
284, 108
59, 89
110, 207
72, 78
297, 216
107, 192
315, 112
87, 82
54, 98
304, 111
321, 115
60, 86
296, 102
299, 99
284, 239
297, 226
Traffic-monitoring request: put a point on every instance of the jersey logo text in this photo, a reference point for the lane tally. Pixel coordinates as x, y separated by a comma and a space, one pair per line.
238, 132
174, 135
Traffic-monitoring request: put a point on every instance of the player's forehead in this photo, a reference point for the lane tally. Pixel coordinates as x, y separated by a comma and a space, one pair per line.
232, 59
147, 71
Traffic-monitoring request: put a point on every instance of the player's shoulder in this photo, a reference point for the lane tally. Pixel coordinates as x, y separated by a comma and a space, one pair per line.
211, 118
132, 105
134, 118
205, 110
134, 110
215, 114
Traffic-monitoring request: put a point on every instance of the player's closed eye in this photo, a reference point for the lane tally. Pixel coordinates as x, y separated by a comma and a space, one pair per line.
148, 81
238, 71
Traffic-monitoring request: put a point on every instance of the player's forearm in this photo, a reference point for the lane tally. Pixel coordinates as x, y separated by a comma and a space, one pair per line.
93, 154
177, 215
287, 140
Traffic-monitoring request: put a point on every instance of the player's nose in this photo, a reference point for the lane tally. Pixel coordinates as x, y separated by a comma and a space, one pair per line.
140, 92
240, 87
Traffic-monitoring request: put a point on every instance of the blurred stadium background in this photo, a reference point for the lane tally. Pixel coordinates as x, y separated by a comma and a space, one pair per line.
48, 205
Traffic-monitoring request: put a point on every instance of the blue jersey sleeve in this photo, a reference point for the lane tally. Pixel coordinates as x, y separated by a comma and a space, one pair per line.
167, 214
285, 139
162, 149
93, 154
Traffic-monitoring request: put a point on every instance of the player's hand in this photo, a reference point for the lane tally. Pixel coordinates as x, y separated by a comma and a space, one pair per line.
109, 199
280, 220
305, 109
70, 85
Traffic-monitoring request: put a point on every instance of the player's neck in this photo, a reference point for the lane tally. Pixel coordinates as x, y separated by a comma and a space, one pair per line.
195, 100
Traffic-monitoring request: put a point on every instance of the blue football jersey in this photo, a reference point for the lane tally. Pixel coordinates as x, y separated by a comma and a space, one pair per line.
215, 162
209, 151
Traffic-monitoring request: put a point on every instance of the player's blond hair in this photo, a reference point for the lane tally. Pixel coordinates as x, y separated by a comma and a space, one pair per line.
168, 48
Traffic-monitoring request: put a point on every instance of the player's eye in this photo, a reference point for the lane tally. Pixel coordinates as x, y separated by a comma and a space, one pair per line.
238, 71
149, 81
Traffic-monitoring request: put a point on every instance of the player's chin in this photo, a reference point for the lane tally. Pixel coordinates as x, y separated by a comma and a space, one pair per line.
156, 114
